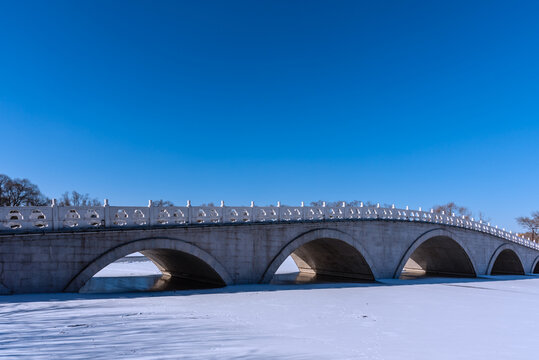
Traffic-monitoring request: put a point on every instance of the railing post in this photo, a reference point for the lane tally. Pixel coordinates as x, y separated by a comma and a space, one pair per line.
55, 215
223, 218
189, 212
253, 212
106, 213
151, 220
278, 211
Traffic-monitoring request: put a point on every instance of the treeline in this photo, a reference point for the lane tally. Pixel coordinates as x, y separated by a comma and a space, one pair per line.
531, 224
22, 192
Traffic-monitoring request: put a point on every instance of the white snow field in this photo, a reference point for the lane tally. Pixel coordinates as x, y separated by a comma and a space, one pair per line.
488, 318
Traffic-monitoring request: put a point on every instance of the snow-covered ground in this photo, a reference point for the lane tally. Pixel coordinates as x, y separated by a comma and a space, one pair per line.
495, 318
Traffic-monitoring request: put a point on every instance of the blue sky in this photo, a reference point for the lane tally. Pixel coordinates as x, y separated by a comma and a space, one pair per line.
407, 102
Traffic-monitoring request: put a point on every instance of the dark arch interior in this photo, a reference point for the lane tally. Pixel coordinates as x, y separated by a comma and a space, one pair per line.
507, 263
439, 256
330, 260
536, 268
180, 271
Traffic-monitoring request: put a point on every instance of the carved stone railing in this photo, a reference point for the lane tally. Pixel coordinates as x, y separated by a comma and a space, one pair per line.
56, 218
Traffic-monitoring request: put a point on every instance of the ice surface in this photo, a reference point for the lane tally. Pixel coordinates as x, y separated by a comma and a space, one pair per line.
288, 266
495, 318
129, 268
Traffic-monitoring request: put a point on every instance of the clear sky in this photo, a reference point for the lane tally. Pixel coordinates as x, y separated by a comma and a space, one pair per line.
407, 102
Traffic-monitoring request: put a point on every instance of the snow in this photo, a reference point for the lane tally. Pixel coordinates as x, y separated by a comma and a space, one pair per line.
129, 266
486, 318
288, 266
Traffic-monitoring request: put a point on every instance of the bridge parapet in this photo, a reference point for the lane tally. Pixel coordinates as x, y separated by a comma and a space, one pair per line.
24, 219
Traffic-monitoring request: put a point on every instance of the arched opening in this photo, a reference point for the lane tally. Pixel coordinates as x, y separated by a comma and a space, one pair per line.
439, 256
133, 272
153, 265
507, 263
154, 270
324, 260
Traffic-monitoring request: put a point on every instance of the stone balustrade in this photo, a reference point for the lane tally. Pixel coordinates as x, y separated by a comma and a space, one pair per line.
60, 218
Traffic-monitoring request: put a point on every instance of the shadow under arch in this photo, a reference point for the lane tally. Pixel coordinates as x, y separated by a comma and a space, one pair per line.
505, 261
535, 266
326, 252
175, 258
4, 290
437, 252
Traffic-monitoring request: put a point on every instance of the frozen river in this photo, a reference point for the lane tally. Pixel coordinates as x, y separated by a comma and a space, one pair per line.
495, 318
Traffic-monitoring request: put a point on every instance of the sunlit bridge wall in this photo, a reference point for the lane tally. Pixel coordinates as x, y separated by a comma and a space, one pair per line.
57, 218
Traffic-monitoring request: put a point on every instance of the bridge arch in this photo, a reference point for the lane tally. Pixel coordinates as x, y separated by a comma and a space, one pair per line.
439, 252
505, 261
327, 252
173, 257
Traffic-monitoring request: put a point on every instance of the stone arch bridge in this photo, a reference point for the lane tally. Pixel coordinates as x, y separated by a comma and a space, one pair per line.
58, 249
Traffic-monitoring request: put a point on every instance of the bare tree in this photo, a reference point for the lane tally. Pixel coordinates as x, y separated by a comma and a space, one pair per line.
20, 192
162, 202
482, 217
451, 208
531, 223
4, 179
77, 199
